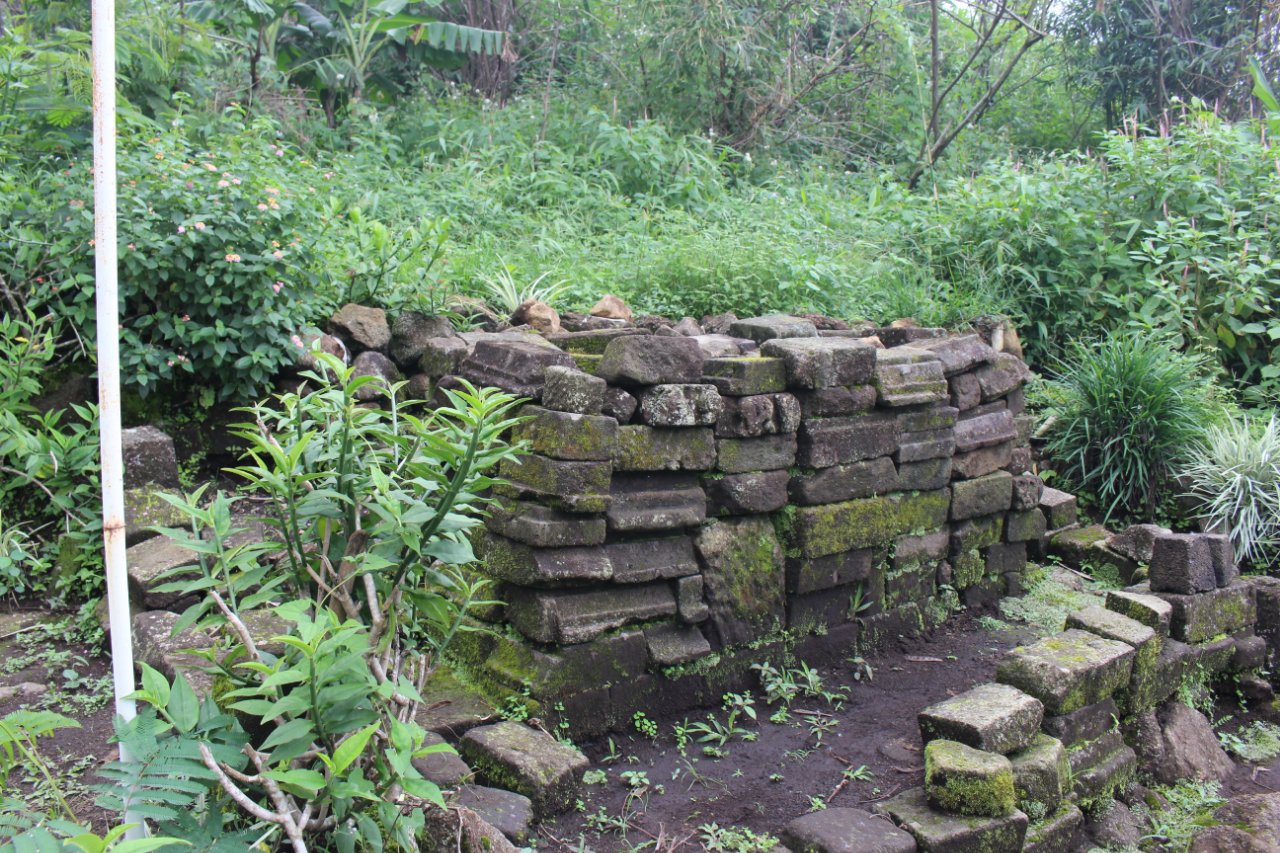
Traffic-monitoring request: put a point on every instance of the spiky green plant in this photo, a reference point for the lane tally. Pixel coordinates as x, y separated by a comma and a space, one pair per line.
1130, 407
1236, 472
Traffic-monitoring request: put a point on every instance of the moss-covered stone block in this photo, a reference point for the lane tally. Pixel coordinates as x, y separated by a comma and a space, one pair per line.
556, 672
967, 568
743, 579
145, 509
913, 583
1104, 781
1079, 545
991, 717
767, 453
1041, 773
642, 448
1155, 613
1200, 618
830, 529
1068, 670
1146, 643
564, 485
962, 780
566, 435
1056, 833
746, 375
935, 832
527, 761
918, 512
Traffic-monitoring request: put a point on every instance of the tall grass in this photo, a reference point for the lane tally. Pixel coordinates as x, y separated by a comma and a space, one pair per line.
1236, 471
1129, 408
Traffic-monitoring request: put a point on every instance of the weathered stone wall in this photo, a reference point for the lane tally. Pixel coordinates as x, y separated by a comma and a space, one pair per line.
689, 503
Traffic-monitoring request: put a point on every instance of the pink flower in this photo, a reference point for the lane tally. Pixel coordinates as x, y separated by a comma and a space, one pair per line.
199, 226
233, 258
224, 183
182, 229
131, 246
278, 254
276, 287
261, 206
210, 167
235, 181
279, 152
328, 174
273, 190
297, 341
186, 318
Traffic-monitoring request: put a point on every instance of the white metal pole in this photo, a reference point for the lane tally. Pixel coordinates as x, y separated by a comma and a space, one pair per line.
105, 272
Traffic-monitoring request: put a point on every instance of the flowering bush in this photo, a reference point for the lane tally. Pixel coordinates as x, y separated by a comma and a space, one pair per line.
216, 262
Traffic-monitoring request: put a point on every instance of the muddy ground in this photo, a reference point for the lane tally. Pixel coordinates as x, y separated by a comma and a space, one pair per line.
792, 766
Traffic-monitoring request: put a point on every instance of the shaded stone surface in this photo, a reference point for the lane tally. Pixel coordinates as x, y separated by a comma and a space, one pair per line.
833, 528
770, 452
1024, 526
958, 354
145, 509
1056, 833
1059, 508
984, 431
515, 366
843, 482
844, 831
959, 779
149, 458
147, 561
939, 833
806, 575
1041, 772
1083, 724
1115, 626
567, 435
826, 442
979, 463
837, 401
361, 328
1003, 374
745, 494
1191, 749
1181, 563
1068, 670
570, 390
577, 616
543, 527
758, 415
519, 563
964, 392
680, 405
981, 496
570, 486
506, 811
551, 674
1258, 814
925, 475
410, 333
743, 583
1199, 618
442, 766
644, 560
643, 502
530, 762
619, 405
671, 644
991, 717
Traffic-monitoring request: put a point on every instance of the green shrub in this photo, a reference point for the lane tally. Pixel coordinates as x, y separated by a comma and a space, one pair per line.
216, 272
1128, 406
1236, 472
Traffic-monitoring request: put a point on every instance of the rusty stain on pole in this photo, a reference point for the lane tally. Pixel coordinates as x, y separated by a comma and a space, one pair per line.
105, 272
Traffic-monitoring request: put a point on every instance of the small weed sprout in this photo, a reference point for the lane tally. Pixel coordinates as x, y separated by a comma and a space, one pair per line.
859, 774
646, 726
817, 804
1256, 744
860, 668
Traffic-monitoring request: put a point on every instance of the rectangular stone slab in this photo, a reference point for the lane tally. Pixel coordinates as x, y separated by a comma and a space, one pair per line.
659, 501
567, 670
825, 442
1055, 833
563, 435
768, 453
835, 402
1068, 670
534, 763
812, 574
516, 562
642, 448
908, 377
959, 354
936, 832
830, 529
823, 362
543, 527
743, 376
514, 366
924, 475
1199, 618
745, 494
1083, 724
1181, 563
1115, 626
983, 496
984, 431
991, 717
567, 486
773, 326
650, 559
578, 616
843, 482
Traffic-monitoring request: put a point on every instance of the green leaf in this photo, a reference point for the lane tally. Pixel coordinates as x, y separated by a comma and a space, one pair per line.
308, 781
351, 748
183, 705
155, 684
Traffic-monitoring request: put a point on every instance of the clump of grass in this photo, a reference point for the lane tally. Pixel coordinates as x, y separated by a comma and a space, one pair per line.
1129, 408
1236, 471
1045, 603
1255, 744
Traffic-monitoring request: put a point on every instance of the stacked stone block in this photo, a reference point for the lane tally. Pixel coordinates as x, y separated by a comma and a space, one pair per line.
679, 508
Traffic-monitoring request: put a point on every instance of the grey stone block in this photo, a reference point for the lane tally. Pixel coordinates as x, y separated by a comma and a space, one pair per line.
837, 401
772, 327
742, 377
516, 562
651, 360
645, 560
964, 392
1198, 618
661, 501
1056, 833
567, 435
843, 482
742, 572
959, 779
671, 644
1026, 526
1155, 613
958, 354
984, 431
592, 341
1111, 625
680, 405
813, 574
564, 485
825, 442
619, 405
921, 548
758, 415
991, 717
150, 559
571, 390
918, 446
745, 494
740, 455
506, 811
691, 606
543, 527
935, 832
908, 377
1083, 724
979, 463
442, 356
1027, 489
823, 362
1068, 670
924, 475
578, 616
1005, 373
534, 763
1181, 563
1005, 558
642, 448
983, 496
149, 458
845, 831
515, 366
1059, 508
1041, 772
1223, 557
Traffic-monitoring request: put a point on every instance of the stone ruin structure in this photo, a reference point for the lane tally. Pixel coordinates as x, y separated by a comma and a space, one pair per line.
693, 505
681, 514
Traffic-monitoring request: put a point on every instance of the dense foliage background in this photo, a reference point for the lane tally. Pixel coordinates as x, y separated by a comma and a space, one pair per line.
1086, 168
